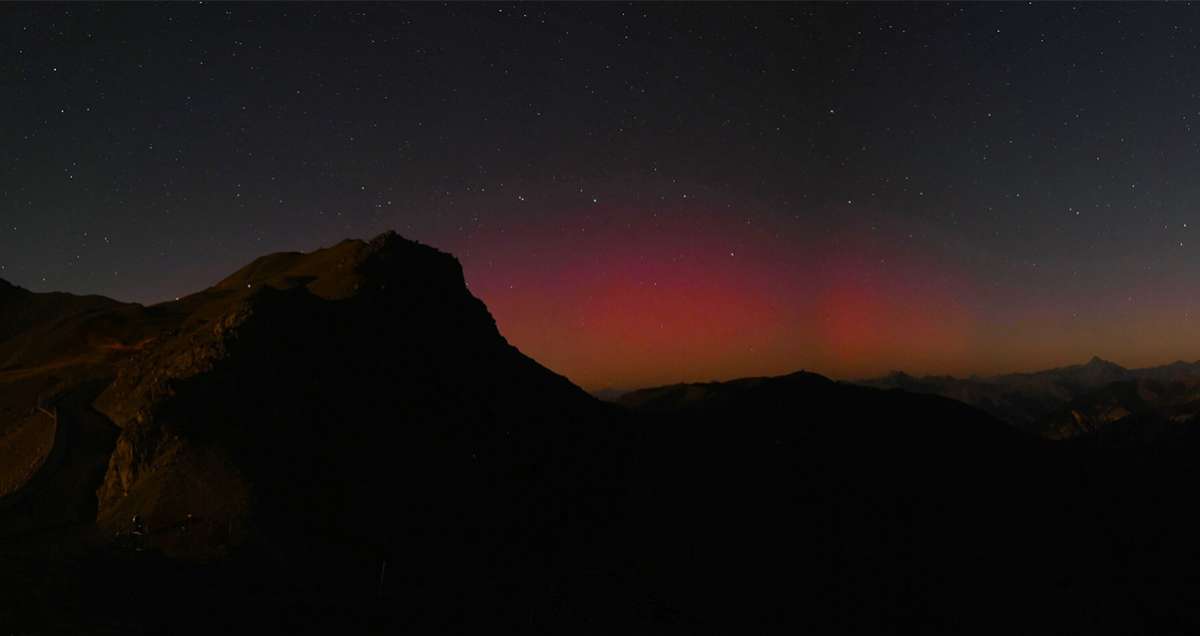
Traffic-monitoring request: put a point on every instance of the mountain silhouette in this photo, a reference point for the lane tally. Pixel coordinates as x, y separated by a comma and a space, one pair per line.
343, 441
356, 406
1068, 401
302, 390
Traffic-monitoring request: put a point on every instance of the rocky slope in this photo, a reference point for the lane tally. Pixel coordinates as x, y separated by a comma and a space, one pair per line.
336, 412
50, 345
308, 389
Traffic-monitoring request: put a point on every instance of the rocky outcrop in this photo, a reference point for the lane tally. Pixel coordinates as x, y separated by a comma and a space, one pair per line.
310, 386
26, 446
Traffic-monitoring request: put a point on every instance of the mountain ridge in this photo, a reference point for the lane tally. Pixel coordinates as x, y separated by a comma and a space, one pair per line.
1065, 401
344, 441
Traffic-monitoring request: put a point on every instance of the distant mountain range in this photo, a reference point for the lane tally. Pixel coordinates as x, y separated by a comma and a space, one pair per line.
1058, 403
1074, 400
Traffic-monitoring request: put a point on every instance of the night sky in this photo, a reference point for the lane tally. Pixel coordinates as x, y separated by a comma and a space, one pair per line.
641, 194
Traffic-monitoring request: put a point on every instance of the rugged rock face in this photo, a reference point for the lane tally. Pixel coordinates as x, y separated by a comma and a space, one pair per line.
308, 388
51, 344
25, 447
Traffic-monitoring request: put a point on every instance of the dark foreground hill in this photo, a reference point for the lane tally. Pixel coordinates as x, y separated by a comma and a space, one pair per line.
845, 509
343, 442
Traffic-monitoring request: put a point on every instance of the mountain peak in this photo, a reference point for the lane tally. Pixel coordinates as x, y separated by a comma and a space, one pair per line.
386, 261
369, 329
388, 239
1097, 361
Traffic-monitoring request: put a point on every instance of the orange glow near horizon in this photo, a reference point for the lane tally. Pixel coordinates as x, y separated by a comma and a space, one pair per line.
639, 304
659, 290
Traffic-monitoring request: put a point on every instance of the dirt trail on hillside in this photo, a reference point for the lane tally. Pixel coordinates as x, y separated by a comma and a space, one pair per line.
61, 491
23, 450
